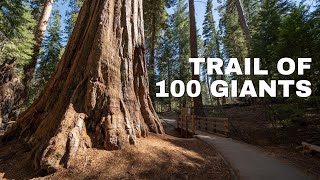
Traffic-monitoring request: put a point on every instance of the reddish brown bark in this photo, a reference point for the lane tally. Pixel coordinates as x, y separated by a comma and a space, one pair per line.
197, 102
98, 96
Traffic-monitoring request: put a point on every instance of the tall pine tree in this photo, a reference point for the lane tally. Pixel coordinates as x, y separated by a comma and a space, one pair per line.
16, 32
211, 42
155, 16
167, 64
51, 52
234, 40
181, 35
267, 34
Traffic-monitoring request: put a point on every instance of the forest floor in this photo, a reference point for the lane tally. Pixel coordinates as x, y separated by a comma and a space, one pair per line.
155, 157
251, 125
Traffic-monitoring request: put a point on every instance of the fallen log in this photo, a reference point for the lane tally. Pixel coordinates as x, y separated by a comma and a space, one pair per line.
309, 148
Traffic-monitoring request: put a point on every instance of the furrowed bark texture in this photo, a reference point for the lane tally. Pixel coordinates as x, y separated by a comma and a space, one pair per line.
98, 96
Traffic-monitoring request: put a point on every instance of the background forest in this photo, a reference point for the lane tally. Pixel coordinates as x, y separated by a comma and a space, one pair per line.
33, 36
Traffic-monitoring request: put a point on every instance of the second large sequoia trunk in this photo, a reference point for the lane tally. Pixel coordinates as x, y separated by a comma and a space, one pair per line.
98, 96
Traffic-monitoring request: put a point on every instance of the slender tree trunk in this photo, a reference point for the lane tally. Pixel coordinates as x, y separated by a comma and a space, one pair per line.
169, 82
198, 109
223, 100
243, 22
208, 86
245, 29
40, 30
98, 96
152, 60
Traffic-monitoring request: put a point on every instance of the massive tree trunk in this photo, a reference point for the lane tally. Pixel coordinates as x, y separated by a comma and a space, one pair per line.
197, 102
98, 96
40, 30
169, 82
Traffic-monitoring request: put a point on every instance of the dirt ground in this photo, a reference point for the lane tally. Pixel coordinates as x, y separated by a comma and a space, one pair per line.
251, 125
155, 157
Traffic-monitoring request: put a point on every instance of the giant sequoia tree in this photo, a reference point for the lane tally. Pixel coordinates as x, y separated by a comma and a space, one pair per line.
98, 96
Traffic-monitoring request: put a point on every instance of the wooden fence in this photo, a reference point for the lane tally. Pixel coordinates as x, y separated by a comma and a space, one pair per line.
188, 123
213, 125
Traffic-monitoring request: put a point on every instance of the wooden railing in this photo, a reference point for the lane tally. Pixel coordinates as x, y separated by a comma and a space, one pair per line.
188, 123
213, 125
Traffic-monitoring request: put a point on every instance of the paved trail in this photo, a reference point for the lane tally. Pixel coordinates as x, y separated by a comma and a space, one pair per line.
249, 162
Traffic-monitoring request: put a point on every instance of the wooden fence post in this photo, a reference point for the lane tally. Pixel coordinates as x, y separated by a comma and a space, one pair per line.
215, 126
181, 124
193, 125
206, 126
187, 126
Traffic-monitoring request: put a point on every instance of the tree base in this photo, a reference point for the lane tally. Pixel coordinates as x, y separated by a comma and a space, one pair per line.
98, 96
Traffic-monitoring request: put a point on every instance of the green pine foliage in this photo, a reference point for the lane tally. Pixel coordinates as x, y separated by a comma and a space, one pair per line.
11, 13
155, 16
72, 15
181, 35
287, 30
16, 32
51, 51
251, 10
36, 6
267, 35
234, 42
212, 48
173, 53
233, 38
279, 28
210, 34
315, 35
167, 64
